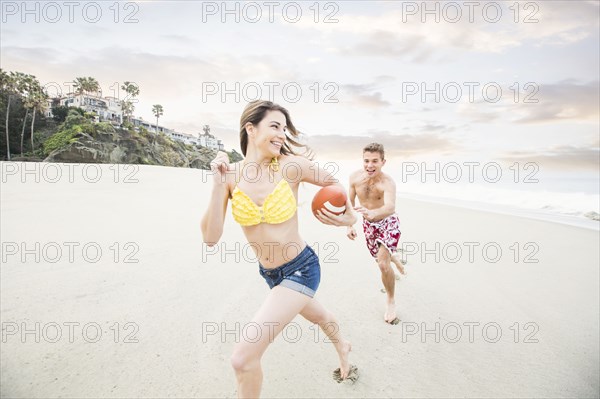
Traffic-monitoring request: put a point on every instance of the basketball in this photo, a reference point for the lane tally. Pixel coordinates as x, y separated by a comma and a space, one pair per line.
332, 198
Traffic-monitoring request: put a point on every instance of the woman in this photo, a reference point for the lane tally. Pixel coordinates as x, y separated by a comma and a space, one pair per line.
270, 175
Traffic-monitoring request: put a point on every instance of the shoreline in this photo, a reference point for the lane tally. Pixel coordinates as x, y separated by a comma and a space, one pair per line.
563, 219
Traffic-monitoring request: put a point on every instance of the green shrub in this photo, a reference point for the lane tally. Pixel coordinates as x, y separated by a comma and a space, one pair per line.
104, 127
61, 139
74, 118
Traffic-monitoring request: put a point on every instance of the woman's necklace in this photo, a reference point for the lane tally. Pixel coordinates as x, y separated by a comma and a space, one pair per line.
273, 167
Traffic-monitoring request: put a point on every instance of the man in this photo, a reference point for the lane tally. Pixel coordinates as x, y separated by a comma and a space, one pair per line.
376, 192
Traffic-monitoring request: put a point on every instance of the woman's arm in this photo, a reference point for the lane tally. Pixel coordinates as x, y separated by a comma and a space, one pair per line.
312, 172
214, 217
315, 174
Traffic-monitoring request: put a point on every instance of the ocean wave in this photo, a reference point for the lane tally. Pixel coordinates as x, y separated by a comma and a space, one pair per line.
558, 206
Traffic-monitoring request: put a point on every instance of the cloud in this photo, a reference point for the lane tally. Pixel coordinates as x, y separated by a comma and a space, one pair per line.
10, 32
561, 101
180, 39
563, 158
25, 56
365, 95
567, 100
411, 47
431, 128
374, 100
398, 34
402, 145
93, 30
175, 81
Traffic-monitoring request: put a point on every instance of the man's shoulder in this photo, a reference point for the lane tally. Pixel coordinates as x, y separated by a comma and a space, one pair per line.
388, 179
387, 182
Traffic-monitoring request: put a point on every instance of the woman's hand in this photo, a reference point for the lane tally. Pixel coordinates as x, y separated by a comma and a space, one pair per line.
219, 166
326, 217
348, 218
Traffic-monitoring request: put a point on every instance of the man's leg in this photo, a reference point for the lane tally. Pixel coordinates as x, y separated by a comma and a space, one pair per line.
399, 262
389, 280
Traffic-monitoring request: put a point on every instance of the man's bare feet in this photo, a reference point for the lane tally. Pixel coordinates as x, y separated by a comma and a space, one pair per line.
390, 313
399, 263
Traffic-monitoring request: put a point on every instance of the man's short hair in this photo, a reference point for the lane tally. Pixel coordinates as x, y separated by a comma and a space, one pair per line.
375, 147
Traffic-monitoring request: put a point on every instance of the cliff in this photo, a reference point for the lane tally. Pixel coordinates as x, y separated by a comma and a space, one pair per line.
79, 140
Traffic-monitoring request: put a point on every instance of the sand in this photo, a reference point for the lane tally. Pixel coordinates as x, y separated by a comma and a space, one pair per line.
169, 321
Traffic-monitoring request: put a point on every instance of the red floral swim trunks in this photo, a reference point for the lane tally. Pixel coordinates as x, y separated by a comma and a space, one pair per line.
385, 231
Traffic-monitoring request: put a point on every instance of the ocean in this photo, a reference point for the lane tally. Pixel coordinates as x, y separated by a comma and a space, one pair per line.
565, 197
569, 201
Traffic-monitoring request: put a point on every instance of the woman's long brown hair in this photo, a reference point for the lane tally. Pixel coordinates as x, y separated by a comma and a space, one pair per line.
255, 112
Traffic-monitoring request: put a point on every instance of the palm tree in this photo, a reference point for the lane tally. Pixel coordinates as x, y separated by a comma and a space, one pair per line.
80, 85
26, 86
133, 91
93, 85
8, 83
127, 108
157, 109
36, 100
86, 85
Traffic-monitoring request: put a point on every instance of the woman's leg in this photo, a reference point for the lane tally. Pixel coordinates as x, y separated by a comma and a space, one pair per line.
316, 313
280, 307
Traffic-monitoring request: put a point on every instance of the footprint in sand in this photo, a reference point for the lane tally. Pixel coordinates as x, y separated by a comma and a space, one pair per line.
352, 375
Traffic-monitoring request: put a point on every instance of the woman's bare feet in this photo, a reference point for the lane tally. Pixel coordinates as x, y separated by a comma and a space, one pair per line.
347, 371
344, 359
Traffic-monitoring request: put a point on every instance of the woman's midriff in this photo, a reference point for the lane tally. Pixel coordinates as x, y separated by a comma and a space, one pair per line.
275, 244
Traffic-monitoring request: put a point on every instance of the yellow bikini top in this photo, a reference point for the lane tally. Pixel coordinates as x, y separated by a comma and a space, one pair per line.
279, 206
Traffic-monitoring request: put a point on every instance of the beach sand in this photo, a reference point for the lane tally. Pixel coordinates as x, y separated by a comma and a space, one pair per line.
169, 321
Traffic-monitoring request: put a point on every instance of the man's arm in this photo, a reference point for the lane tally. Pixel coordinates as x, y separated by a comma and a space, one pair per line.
352, 192
389, 202
350, 232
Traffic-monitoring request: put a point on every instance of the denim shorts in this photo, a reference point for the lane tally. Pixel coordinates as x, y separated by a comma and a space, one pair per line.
302, 274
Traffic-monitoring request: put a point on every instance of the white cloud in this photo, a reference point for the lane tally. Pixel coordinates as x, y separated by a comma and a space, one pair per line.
396, 145
564, 101
563, 158
398, 34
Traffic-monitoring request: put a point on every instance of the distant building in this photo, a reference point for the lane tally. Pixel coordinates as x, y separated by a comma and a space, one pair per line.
205, 140
151, 127
48, 109
210, 141
107, 109
186, 138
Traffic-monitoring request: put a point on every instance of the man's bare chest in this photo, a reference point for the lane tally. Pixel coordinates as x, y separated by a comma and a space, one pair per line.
370, 192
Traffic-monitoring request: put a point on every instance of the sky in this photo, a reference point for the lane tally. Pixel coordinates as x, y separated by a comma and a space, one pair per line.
455, 81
